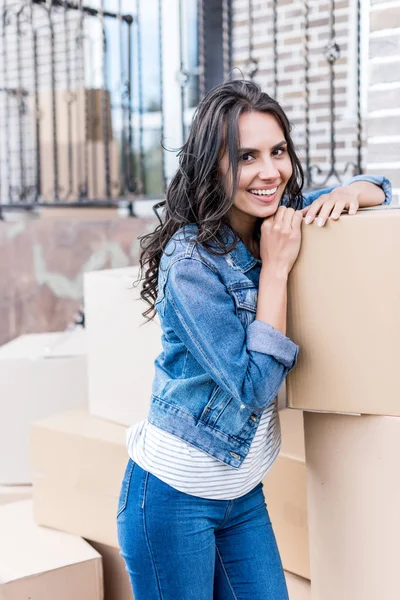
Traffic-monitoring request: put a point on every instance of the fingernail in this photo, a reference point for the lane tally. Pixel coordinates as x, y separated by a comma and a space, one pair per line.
335, 215
352, 211
308, 220
320, 222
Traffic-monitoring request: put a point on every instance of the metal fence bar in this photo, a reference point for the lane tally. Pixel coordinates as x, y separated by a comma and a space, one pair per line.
131, 182
161, 84
69, 103
182, 72
307, 92
38, 186
358, 168
275, 44
227, 38
105, 106
6, 92
19, 95
142, 181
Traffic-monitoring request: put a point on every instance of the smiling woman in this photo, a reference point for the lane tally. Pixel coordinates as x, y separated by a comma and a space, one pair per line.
216, 270
265, 169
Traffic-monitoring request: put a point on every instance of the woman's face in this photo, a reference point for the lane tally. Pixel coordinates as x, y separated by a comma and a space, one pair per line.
264, 167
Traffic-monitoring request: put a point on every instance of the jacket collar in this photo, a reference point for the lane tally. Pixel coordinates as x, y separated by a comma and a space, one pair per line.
240, 257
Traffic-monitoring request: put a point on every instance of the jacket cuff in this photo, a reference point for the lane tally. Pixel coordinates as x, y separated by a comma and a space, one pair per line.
262, 337
379, 180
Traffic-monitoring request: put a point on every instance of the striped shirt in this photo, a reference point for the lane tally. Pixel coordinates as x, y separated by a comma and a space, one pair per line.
190, 470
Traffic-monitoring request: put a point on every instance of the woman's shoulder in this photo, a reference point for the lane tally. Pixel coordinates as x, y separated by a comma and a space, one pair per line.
184, 244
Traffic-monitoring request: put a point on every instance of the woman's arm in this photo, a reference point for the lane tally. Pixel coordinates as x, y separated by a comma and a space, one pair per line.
369, 194
249, 364
360, 191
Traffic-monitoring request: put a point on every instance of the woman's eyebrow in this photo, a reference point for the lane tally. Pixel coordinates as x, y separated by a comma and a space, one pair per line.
275, 147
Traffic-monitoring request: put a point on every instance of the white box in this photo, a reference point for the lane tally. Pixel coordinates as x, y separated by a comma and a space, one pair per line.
122, 346
38, 563
40, 375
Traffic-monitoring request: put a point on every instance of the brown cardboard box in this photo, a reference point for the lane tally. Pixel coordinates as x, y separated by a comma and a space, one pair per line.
298, 588
353, 483
40, 375
117, 585
79, 100
78, 463
14, 493
116, 579
343, 311
72, 174
36, 562
122, 346
292, 431
286, 497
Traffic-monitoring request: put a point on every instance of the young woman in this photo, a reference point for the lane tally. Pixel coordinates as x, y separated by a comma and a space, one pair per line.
192, 520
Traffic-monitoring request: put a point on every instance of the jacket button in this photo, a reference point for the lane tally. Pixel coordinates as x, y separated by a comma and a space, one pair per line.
254, 418
235, 455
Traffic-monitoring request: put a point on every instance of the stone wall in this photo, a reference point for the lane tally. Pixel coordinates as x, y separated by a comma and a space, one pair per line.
42, 261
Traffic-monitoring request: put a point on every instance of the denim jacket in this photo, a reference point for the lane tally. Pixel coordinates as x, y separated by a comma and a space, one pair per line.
220, 367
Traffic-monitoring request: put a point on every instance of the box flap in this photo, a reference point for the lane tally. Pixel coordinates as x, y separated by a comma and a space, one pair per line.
35, 346
27, 549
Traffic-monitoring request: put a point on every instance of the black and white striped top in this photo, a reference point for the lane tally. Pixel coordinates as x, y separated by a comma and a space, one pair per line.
189, 470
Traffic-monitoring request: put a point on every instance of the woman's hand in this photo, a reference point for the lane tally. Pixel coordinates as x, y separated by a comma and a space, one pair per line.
333, 205
280, 241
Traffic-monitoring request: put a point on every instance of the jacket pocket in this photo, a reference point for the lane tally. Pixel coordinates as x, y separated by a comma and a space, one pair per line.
126, 482
246, 304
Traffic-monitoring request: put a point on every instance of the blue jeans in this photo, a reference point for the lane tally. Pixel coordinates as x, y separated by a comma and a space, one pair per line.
182, 547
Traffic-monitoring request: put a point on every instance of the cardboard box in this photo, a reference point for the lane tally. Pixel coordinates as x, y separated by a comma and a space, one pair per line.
286, 498
116, 579
122, 346
343, 298
292, 431
95, 103
72, 164
78, 463
298, 588
353, 483
14, 493
36, 562
40, 375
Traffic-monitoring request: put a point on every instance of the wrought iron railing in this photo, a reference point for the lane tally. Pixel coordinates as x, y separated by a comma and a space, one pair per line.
82, 112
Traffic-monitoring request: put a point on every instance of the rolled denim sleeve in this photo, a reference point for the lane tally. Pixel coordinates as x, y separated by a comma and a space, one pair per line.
378, 180
262, 337
250, 365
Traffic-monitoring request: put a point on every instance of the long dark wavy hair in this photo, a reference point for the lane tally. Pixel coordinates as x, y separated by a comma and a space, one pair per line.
196, 193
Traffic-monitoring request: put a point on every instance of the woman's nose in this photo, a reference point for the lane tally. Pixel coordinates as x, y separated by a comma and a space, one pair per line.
268, 170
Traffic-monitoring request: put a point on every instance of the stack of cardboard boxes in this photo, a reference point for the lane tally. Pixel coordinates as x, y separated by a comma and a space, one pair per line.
40, 375
343, 311
350, 551
80, 122
76, 486
88, 458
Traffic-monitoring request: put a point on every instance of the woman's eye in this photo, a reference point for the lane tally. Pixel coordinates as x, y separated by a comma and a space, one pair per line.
279, 151
245, 156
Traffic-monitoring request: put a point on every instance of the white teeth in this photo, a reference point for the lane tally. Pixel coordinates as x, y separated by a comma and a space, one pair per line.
264, 192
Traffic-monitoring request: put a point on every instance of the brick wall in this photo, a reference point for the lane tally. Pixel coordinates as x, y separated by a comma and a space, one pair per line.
384, 91
291, 74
